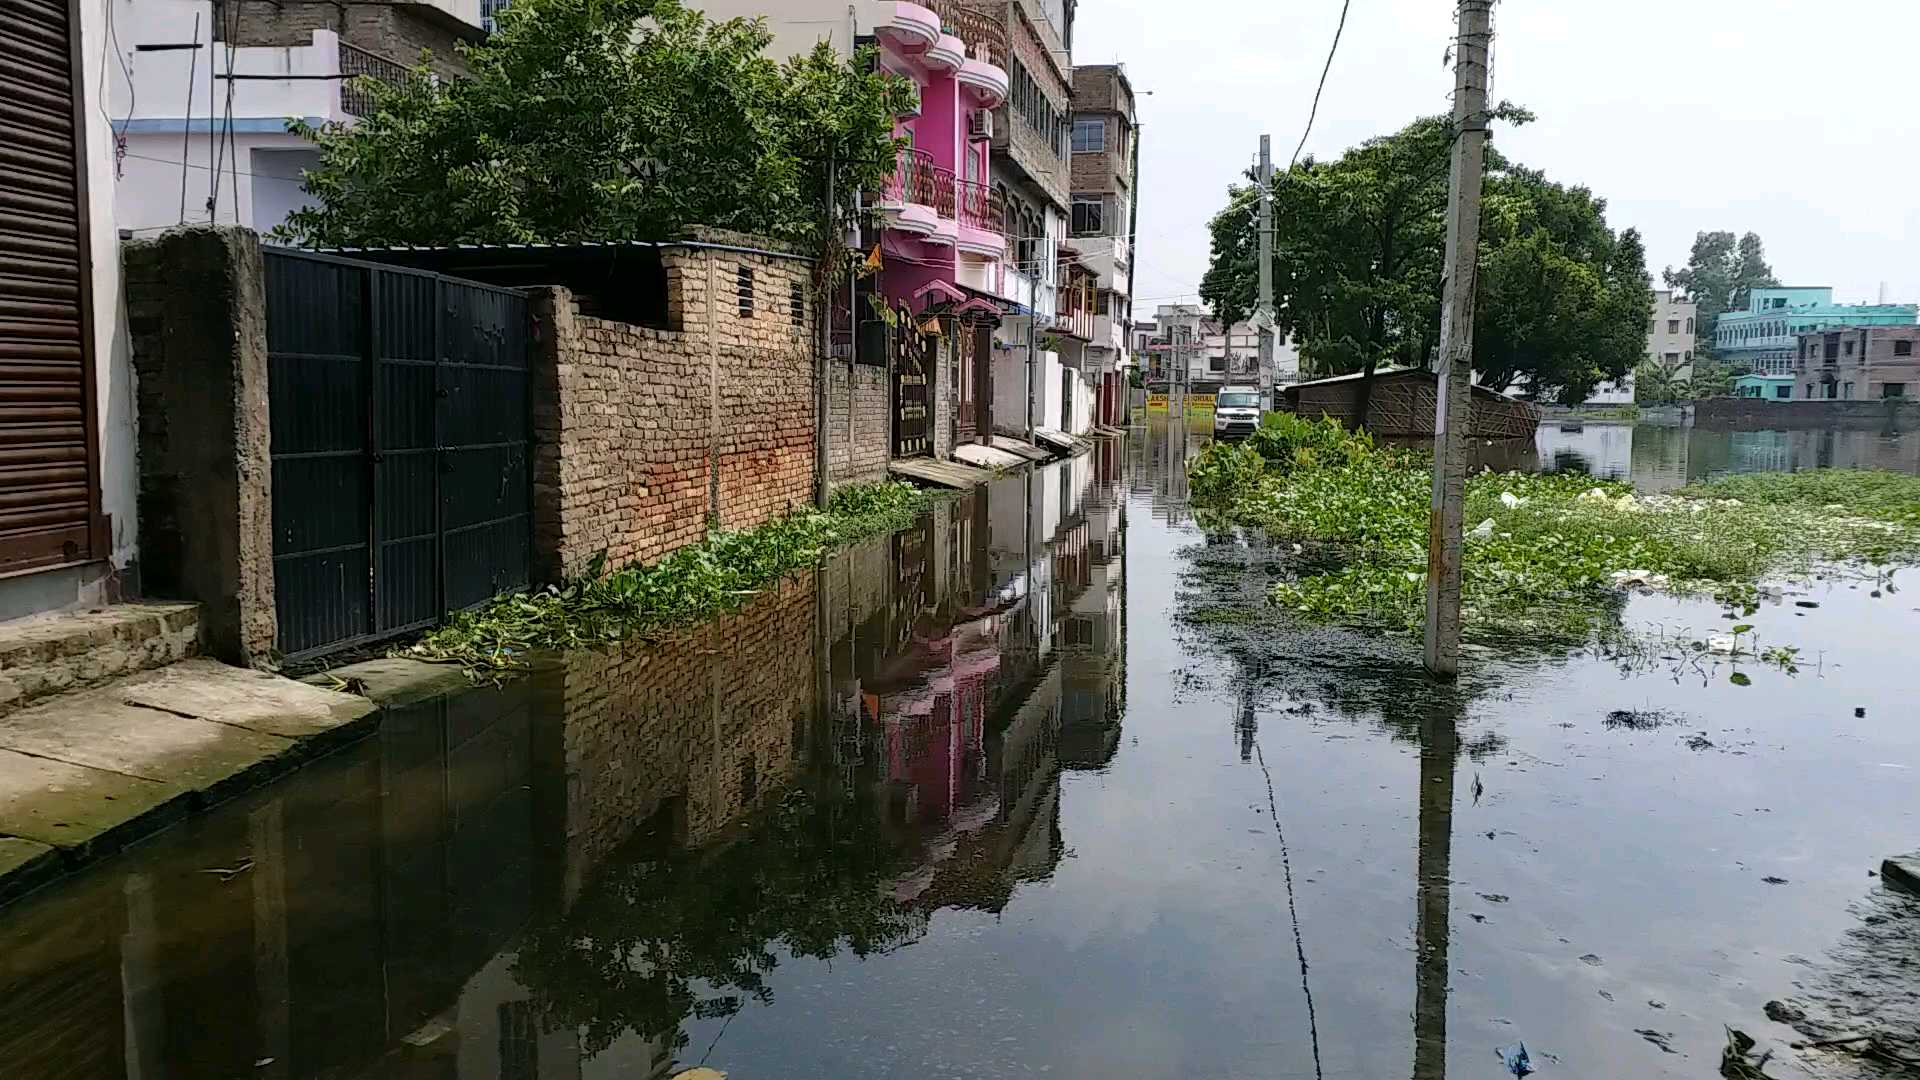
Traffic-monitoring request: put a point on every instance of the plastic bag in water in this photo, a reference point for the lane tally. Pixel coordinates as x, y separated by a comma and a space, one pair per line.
1514, 1058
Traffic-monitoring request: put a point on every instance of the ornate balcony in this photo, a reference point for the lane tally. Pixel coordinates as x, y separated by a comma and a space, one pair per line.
983, 219
984, 71
983, 31
913, 194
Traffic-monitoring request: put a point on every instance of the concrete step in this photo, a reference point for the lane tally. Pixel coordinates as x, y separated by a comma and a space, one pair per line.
86, 773
44, 655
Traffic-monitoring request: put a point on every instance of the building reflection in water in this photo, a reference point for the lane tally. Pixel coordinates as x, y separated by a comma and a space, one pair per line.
1658, 457
515, 883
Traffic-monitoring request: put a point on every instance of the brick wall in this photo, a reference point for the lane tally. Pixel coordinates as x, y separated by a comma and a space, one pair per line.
396, 31
857, 454
645, 438
702, 722
1095, 88
1761, 414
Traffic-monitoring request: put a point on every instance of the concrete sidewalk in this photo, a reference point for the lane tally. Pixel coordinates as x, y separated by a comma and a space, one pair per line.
86, 773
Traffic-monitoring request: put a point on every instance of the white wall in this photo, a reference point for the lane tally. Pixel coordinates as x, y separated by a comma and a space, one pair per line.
259, 180
160, 86
113, 369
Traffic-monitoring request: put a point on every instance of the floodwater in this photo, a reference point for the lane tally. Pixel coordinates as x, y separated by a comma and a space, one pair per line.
975, 800
1659, 457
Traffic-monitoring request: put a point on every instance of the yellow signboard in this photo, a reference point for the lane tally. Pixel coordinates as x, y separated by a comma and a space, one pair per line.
1196, 403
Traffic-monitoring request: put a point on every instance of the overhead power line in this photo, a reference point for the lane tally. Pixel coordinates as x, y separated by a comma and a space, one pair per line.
1315, 111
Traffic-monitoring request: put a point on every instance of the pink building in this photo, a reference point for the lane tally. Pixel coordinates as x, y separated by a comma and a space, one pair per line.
944, 225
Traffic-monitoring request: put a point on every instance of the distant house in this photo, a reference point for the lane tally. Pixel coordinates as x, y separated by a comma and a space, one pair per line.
1765, 387
1764, 338
1866, 363
1402, 405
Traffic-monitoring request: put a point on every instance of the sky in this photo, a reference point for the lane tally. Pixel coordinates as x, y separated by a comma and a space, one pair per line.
1796, 119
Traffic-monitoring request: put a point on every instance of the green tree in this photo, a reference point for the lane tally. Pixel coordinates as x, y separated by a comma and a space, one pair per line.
1720, 274
1562, 300
1359, 251
1657, 383
606, 119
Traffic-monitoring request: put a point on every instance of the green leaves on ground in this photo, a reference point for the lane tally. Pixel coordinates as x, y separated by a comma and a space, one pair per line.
1546, 555
715, 575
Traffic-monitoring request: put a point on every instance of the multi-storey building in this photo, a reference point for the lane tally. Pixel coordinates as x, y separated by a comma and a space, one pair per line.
1764, 338
1045, 331
1102, 174
196, 146
939, 225
1857, 363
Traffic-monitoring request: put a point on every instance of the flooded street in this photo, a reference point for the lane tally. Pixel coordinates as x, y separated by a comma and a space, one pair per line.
983, 799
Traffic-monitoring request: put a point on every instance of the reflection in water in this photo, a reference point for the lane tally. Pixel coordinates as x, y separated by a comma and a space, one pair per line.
895, 818
1658, 457
1439, 749
561, 877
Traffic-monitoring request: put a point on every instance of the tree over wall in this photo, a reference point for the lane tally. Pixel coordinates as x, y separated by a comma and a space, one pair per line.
1359, 253
605, 119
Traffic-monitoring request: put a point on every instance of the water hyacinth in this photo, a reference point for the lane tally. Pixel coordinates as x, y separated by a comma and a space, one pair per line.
604, 605
1550, 555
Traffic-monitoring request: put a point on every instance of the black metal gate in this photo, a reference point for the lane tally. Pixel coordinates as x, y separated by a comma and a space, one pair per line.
401, 433
912, 390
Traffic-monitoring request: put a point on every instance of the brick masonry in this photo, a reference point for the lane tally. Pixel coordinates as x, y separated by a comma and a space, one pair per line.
51, 654
1761, 414
644, 438
399, 32
196, 316
857, 444
703, 724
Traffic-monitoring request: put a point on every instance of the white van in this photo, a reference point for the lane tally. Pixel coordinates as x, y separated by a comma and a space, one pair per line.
1236, 411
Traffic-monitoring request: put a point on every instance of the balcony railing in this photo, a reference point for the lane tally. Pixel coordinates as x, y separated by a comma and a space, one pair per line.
356, 63
984, 33
981, 207
912, 178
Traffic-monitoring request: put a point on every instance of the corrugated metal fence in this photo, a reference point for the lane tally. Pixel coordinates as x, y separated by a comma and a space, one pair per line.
401, 447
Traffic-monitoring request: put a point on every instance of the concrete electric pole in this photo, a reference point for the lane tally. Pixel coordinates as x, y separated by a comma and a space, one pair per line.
1453, 413
1263, 315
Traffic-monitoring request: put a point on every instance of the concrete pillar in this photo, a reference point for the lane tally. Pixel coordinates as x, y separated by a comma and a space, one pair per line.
196, 313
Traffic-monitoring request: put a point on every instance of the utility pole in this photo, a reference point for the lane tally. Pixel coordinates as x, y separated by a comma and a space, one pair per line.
1176, 388
1263, 315
1454, 410
1033, 341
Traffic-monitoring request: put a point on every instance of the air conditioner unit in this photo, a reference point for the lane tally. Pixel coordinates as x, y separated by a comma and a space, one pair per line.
980, 124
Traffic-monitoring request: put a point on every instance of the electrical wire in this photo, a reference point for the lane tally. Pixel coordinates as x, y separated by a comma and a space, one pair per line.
234, 171
1299, 946
119, 132
1315, 111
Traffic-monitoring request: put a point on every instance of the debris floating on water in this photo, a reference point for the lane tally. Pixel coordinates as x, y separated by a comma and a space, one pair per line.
1640, 719
1514, 1058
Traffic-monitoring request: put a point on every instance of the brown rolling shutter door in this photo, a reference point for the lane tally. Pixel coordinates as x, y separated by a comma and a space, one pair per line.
47, 474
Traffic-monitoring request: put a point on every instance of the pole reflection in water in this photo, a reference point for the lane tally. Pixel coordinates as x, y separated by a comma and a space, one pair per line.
1439, 750
582, 871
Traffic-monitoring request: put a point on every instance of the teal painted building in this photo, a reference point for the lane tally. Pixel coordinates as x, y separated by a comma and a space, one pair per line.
1761, 338
1767, 387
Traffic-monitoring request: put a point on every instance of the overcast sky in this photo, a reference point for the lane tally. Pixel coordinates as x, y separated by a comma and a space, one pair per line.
1797, 119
